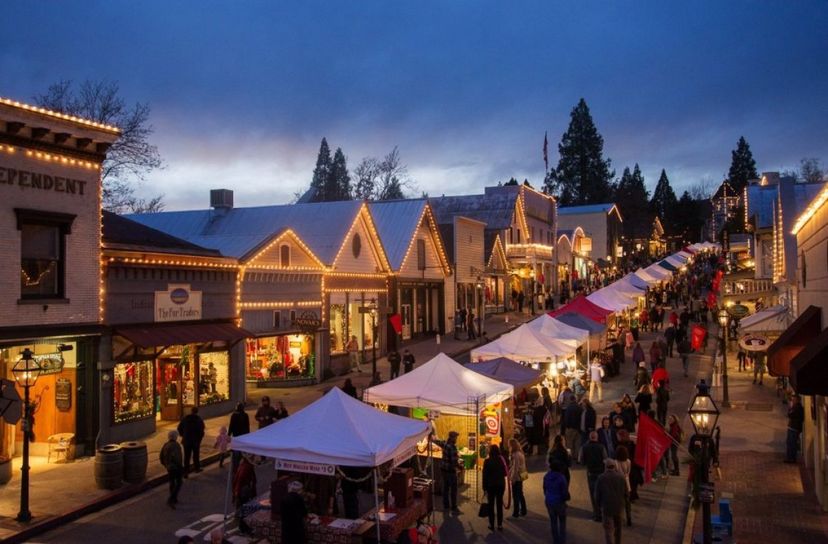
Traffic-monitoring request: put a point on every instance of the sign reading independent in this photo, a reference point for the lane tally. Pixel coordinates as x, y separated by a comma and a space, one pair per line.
177, 303
302, 466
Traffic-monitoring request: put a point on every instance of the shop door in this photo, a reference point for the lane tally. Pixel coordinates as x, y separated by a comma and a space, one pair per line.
406, 321
170, 391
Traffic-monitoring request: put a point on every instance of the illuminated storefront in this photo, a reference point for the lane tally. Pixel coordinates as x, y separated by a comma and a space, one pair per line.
284, 357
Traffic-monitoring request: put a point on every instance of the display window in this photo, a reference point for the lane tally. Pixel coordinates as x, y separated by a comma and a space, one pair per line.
132, 391
213, 377
346, 320
284, 357
338, 322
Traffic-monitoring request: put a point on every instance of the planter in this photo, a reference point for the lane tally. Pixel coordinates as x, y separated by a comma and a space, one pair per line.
5, 471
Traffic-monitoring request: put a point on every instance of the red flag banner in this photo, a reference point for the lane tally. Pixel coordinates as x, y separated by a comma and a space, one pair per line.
396, 322
711, 300
697, 334
650, 446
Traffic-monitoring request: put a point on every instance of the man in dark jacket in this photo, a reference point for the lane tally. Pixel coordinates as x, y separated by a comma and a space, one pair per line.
171, 459
239, 426
796, 417
407, 361
684, 349
610, 495
662, 400
571, 424
394, 360
670, 338
293, 512
191, 429
593, 455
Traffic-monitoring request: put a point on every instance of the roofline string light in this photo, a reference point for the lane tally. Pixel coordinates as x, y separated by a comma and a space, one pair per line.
51, 157
59, 115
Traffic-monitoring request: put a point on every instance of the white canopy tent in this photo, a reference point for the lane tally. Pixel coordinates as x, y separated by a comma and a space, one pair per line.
675, 261
336, 430
611, 299
646, 276
548, 326
524, 344
441, 384
659, 272
626, 287
773, 319
684, 254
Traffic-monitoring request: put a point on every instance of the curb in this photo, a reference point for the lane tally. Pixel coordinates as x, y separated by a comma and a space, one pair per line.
120, 495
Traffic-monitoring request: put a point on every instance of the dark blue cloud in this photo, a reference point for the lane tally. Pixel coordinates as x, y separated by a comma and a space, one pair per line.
243, 91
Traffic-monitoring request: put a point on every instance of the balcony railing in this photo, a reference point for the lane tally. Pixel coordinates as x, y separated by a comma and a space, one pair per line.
747, 286
517, 251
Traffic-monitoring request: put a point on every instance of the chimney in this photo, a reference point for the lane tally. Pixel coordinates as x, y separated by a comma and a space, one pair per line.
221, 200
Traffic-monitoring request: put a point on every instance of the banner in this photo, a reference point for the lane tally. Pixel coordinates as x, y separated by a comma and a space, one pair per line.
306, 467
396, 322
650, 446
711, 300
697, 334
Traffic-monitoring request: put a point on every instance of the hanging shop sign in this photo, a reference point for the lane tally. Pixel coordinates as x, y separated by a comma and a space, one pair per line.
63, 394
754, 342
50, 363
319, 469
738, 311
177, 303
490, 421
307, 321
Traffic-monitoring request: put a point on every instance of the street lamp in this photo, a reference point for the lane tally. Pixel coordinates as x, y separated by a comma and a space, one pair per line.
704, 415
26, 372
724, 322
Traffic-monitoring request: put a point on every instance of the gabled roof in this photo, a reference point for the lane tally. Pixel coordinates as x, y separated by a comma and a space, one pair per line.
588, 208
495, 209
240, 232
397, 222
724, 190
570, 234
122, 233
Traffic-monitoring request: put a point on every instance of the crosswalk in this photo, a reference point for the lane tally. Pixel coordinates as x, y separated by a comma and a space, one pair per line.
202, 529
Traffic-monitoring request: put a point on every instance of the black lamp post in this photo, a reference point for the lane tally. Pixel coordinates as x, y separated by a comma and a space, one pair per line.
704, 415
26, 372
724, 325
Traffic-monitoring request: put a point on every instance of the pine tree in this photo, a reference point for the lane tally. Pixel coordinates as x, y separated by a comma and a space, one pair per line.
742, 166
321, 174
338, 185
583, 175
688, 220
632, 198
664, 201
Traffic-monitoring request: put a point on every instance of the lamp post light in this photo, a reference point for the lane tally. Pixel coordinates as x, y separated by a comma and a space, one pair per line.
704, 415
724, 325
26, 372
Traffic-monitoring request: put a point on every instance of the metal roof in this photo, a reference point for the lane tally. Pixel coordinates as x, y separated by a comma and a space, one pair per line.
588, 208
494, 209
396, 222
760, 204
237, 232
122, 233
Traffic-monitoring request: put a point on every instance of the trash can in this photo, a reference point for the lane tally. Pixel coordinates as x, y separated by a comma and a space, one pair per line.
135, 461
109, 466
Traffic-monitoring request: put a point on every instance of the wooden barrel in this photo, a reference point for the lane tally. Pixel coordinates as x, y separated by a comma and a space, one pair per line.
135, 461
109, 466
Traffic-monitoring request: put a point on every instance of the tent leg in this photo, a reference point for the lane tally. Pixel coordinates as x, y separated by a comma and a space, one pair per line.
227, 494
376, 503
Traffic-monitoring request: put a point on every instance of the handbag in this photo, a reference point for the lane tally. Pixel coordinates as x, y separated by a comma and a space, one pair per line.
484, 510
524, 475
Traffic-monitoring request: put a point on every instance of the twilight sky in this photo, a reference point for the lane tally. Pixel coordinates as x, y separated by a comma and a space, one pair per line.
242, 91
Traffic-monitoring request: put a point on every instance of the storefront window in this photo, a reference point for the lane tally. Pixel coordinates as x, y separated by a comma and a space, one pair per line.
214, 377
338, 321
281, 357
176, 381
132, 391
359, 323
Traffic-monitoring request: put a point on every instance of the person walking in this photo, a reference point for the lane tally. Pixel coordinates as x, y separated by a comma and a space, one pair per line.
555, 494
796, 417
662, 400
759, 367
494, 484
571, 424
610, 493
281, 411
448, 468
191, 429
353, 353
394, 360
348, 388
596, 377
470, 326
677, 434
172, 459
589, 419
644, 399
239, 426
244, 490
221, 444
293, 512
670, 338
266, 414
407, 361
606, 436
642, 377
684, 349
518, 473
655, 355
622, 460
560, 454
741, 357
520, 298
593, 455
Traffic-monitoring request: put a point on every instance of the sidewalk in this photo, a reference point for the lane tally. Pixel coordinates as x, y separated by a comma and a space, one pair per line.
62, 492
770, 504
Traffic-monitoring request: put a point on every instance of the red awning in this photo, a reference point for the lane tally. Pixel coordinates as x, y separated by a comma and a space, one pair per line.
809, 369
176, 334
805, 328
580, 305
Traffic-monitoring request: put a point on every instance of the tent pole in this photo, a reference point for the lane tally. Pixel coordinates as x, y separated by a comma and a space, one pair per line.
376, 502
433, 486
227, 494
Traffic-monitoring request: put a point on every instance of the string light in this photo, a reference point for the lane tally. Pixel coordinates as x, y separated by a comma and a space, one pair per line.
29, 282
59, 115
376, 243
427, 216
53, 158
200, 263
280, 304
812, 208
287, 233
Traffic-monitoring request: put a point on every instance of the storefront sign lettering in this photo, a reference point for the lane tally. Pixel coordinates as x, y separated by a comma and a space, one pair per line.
50, 363
308, 468
63, 394
177, 303
26, 179
307, 321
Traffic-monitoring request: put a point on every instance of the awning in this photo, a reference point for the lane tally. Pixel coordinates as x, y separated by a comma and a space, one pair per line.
806, 327
189, 333
809, 369
666, 265
773, 319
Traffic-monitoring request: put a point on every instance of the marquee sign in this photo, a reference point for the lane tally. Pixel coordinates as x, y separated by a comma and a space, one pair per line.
319, 469
307, 321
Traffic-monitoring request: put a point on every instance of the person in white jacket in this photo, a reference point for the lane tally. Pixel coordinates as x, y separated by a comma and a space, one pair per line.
596, 378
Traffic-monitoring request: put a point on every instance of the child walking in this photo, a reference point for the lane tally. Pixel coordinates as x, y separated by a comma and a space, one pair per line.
222, 442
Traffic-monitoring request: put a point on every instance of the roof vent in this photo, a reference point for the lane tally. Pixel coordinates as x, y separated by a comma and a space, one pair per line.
221, 199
